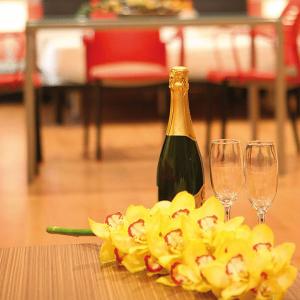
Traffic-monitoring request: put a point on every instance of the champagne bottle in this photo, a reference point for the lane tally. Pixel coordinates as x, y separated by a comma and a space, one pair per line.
180, 165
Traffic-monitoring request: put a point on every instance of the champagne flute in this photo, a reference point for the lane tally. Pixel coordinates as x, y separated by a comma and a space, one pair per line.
261, 170
226, 171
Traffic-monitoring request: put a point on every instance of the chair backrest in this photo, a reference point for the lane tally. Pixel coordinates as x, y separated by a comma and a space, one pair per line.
12, 52
117, 46
291, 21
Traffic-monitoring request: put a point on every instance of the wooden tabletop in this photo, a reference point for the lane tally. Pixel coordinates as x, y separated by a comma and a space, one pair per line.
73, 272
149, 22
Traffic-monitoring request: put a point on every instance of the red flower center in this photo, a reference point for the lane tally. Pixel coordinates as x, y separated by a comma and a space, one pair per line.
137, 229
264, 275
180, 212
152, 264
236, 265
203, 260
208, 222
119, 257
177, 278
174, 239
114, 220
261, 246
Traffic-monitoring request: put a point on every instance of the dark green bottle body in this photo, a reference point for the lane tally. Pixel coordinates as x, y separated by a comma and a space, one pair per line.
179, 168
180, 164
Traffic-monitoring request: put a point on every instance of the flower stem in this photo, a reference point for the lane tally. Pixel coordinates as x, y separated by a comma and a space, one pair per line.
69, 231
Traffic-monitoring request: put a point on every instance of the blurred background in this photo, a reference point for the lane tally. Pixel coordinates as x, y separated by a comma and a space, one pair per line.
97, 156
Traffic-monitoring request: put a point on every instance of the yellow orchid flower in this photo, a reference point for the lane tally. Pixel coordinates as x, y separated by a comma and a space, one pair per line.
275, 287
207, 223
187, 273
202, 221
166, 240
130, 239
195, 249
165, 235
235, 270
277, 274
241, 272
124, 238
107, 251
200, 224
158, 229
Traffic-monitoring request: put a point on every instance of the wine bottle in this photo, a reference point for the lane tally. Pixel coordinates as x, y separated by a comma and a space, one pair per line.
180, 165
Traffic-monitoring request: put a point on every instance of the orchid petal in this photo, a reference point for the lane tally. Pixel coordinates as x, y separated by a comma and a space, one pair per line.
188, 273
160, 207
182, 200
234, 223
99, 229
167, 260
216, 275
106, 253
234, 290
191, 229
282, 255
194, 249
135, 212
262, 233
122, 241
139, 249
212, 207
134, 263
166, 280
287, 277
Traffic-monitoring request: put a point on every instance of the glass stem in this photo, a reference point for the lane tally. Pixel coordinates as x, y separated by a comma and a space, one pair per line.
261, 217
227, 212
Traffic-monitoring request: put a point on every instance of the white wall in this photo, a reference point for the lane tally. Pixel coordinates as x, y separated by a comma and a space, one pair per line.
13, 15
273, 8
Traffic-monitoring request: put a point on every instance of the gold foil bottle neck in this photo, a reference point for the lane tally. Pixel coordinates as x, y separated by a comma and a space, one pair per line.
180, 123
179, 78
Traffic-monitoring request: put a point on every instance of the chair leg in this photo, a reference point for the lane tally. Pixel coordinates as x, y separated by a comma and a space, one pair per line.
224, 106
39, 155
293, 100
253, 108
86, 110
209, 107
162, 103
59, 101
99, 93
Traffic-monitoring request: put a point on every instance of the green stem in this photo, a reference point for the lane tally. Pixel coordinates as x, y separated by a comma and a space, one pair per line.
69, 231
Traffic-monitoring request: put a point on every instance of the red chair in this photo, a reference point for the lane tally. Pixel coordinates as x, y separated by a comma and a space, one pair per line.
125, 59
12, 58
291, 21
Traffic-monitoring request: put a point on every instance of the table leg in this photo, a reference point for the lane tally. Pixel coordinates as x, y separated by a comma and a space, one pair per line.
29, 100
253, 109
280, 98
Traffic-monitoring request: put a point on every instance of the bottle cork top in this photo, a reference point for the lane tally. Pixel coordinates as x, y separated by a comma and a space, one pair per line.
179, 78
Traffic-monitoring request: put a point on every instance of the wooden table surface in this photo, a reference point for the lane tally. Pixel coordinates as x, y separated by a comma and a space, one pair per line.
73, 272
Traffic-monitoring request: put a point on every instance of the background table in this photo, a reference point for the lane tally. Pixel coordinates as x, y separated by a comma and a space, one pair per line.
74, 272
156, 22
